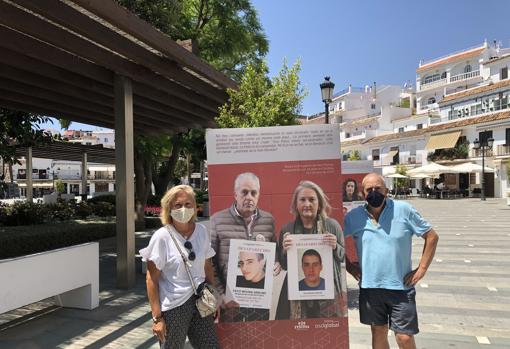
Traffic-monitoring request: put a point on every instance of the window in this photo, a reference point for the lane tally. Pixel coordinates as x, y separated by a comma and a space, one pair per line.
431, 100
443, 75
507, 136
347, 135
106, 140
484, 136
504, 73
419, 126
376, 154
467, 68
372, 106
400, 129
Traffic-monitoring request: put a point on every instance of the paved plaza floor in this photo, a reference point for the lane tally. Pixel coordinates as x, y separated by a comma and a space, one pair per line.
463, 302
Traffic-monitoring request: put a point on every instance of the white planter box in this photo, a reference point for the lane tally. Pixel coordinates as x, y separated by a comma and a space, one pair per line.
71, 274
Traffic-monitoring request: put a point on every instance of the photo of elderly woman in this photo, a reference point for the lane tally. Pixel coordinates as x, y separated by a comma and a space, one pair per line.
253, 270
310, 207
350, 191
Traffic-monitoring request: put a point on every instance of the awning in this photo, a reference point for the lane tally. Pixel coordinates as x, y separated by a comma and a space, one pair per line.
392, 153
443, 141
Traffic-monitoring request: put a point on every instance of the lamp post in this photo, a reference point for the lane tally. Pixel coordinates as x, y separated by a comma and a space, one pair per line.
483, 145
327, 95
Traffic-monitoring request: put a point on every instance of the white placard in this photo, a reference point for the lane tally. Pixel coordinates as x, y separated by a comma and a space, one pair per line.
250, 273
310, 268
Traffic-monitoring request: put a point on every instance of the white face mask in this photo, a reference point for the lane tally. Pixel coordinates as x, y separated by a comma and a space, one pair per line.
183, 214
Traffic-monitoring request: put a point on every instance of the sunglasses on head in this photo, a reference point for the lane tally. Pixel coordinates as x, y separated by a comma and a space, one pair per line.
191, 254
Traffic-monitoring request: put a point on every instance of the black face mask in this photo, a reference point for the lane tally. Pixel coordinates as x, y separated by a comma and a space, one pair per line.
375, 199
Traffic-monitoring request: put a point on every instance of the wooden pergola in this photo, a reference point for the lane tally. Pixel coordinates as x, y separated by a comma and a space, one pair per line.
94, 62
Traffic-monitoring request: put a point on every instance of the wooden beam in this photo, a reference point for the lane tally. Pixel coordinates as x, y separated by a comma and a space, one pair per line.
82, 24
128, 22
88, 106
47, 83
125, 191
44, 67
22, 21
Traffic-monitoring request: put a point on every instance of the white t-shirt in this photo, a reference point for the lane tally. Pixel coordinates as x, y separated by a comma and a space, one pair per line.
174, 284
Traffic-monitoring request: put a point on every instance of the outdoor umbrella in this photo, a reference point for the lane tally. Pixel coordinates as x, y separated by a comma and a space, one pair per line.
432, 169
469, 167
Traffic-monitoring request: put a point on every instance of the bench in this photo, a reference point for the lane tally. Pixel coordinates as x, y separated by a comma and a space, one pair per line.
71, 274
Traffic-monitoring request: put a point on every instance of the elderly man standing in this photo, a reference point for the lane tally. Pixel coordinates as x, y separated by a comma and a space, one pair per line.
383, 230
242, 220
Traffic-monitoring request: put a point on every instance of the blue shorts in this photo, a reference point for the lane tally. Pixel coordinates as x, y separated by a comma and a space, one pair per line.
395, 308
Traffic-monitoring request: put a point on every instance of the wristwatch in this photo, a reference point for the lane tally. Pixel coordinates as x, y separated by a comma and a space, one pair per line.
156, 319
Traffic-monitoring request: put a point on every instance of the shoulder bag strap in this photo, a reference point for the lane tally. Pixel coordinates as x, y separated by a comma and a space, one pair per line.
184, 259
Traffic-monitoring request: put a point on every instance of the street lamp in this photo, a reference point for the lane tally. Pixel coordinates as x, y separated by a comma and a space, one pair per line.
327, 95
483, 145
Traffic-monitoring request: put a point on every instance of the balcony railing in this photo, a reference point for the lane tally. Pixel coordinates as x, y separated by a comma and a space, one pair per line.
503, 149
477, 153
433, 83
465, 76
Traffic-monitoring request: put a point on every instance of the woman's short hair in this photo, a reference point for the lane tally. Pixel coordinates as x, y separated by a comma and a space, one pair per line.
169, 199
324, 207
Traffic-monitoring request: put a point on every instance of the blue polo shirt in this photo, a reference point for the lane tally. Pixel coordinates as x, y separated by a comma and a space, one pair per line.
384, 247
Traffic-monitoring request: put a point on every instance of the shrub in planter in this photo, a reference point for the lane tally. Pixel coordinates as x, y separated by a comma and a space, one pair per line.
154, 200
152, 211
82, 210
23, 213
103, 209
61, 211
102, 198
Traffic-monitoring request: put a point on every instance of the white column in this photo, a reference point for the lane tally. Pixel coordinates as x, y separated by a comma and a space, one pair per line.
125, 193
29, 193
84, 177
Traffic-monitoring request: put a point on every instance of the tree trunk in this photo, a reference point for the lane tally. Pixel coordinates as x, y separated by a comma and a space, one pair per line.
166, 173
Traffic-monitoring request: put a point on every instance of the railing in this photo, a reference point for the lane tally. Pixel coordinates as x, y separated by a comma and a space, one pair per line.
433, 83
465, 76
346, 90
477, 153
101, 177
424, 62
410, 160
503, 149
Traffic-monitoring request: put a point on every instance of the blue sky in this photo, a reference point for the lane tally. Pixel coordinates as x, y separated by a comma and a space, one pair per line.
359, 42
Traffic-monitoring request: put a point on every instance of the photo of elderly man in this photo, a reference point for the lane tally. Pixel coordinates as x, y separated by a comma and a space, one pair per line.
253, 269
245, 221
311, 263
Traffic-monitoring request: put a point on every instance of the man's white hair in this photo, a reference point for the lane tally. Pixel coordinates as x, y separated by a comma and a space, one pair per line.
246, 175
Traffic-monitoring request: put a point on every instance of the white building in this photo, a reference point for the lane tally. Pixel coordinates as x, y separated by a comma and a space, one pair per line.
460, 98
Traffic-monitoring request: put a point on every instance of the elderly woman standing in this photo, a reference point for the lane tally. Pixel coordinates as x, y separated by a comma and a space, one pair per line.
169, 288
310, 206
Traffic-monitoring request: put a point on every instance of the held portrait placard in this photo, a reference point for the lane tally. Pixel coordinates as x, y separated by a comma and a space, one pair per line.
250, 276
310, 268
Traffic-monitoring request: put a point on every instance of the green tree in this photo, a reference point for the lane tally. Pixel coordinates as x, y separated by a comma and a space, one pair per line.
20, 129
59, 186
228, 33
401, 169
260, 101
354, 155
